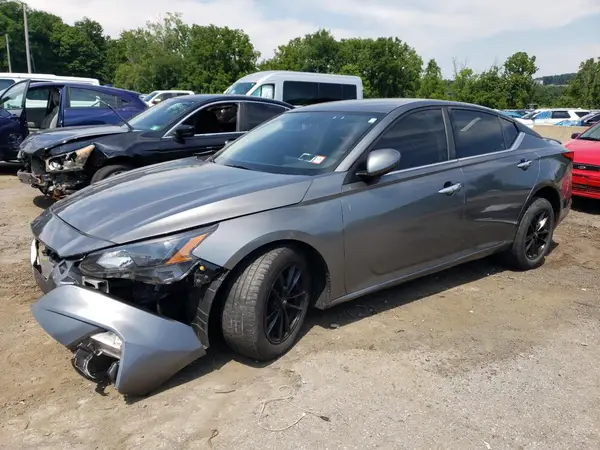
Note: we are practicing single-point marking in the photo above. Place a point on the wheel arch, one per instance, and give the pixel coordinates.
(238, 262)
(550, 193)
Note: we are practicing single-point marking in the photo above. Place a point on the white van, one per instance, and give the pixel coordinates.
(298, 88)
(8, 79)
(155, 97)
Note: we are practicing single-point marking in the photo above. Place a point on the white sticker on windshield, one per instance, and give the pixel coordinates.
(373, 120)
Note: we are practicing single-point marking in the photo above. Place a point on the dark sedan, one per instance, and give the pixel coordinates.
(60, 162)
(318, 206)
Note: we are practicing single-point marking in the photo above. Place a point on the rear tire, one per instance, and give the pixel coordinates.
(534, 236)
(259, 305)
(108, 171)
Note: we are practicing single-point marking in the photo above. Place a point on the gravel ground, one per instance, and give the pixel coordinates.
(476, 357)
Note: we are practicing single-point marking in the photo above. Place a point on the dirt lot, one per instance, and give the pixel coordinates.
(476, 357)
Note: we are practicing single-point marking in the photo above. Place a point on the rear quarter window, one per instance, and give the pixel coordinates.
(510, 132)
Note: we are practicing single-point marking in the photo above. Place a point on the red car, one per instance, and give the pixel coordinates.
(586, 163)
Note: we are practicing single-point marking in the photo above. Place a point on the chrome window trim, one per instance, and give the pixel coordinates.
(218, 102)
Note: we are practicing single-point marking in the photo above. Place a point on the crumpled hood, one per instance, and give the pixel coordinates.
(44, 140)
(174, 196)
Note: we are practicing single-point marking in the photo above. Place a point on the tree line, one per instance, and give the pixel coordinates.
(170, 54)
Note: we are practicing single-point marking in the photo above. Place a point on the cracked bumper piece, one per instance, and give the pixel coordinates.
(111, 340)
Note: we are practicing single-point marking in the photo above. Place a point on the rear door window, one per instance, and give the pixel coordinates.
(510, 132)
(476, 133)
(220, 118)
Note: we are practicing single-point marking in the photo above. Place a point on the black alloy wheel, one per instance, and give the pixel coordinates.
(538, 234)
(287, 300)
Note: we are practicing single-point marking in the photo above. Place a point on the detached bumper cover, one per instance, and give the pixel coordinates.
(153, 348)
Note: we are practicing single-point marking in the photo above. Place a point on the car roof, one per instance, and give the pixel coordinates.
(205, 98)
(384, 105)
(108, 89)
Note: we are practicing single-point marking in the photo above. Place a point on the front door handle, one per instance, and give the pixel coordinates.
(450, 189)
(524, 164)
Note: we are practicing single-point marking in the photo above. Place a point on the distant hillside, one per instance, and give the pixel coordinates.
(556, 80)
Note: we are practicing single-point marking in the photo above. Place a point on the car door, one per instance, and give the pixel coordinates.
(13, 120)
(542, 118)
(82, 107)
(214, 125)
(499, 175)
(559, 116)
(410, 219)
(252, 114)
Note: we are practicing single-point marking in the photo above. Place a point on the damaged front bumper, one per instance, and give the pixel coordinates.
(116, 342)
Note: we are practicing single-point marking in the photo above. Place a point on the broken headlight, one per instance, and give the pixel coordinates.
(69, 161)
(159, 261)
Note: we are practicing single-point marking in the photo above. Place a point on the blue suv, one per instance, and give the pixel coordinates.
(27, 107)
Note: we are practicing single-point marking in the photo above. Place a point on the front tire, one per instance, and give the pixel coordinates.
(267, 304)
(109, 171)
(534, 236)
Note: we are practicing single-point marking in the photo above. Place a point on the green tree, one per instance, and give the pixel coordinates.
(489, 89)
(316, 52)
(584, 90)
(215, 57)
(432, 83)
(519, 70)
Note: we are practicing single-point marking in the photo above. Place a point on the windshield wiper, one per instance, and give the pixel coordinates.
(115, 111)
(236, 166)
(588, 138)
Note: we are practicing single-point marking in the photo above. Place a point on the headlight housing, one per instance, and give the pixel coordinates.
(158, 261)
(70, 161)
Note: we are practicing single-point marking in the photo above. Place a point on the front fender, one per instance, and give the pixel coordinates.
(316, 222)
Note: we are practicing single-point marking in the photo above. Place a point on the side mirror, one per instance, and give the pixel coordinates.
(185, 131)
(156, 100)
(380, 162)
(575, 135)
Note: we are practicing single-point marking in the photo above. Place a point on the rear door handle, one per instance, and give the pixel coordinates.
(524, 164)
(451, 189)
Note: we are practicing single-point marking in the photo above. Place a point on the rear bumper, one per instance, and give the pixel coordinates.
(586, 184)
(151, 348)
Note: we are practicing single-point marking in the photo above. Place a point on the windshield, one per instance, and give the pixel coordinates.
(160, 116)
(6, 82)
(303, 143)
(591, 134)
(240, 88)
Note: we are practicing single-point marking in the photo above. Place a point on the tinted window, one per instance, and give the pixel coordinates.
(510, 132)
(6, 82)
(349, 91)
(560, 115)
(476, 133)
(86, 98)
(300, 92)
(306, 93)
(329, 92)
(215, 119)
(581, 113)
(310, 142)
(257, 113)
(420, 137)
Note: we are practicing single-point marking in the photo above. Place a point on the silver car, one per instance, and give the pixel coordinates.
(318, 206)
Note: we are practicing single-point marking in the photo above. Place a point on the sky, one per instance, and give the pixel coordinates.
(477, 33)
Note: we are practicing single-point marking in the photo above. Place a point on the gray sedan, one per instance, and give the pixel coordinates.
(318, 206)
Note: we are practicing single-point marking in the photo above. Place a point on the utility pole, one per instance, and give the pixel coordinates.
(8, 52)
(26, 38)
